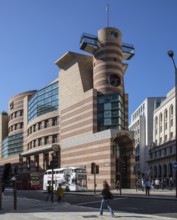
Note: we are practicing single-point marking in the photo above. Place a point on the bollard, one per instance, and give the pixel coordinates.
(15, 198)
(13, 179)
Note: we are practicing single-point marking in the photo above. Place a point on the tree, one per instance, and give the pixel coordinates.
(4, 113)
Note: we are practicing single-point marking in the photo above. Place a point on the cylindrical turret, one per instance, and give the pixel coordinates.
(107, 70)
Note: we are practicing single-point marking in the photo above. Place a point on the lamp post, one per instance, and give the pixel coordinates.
(171, 55)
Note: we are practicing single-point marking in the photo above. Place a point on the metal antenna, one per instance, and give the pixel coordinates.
(107, 14)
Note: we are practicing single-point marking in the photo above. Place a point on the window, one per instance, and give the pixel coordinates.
(21, 112)
(156, 131)
(21, 125)
(39, 141)
(110, 112)
(46, 140)
(54, 138)
(43, 101)
(171, 122)
(171, 135)
(114, 34)
(55, 121)
(34, 143)
(170, 150)
(39, 125)
(166, 114)
(46, 123)
(160, 153)
(165, 151)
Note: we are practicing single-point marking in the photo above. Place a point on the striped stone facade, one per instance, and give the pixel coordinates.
(82, 78)
(75, 137)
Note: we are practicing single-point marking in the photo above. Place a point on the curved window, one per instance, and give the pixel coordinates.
(12, 145)
(43, 101)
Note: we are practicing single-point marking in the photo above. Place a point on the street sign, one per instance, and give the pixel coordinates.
(175, 166)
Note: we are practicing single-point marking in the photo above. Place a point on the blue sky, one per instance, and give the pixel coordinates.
(35, 33)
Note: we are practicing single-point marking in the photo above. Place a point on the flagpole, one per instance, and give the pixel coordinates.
(107, 14)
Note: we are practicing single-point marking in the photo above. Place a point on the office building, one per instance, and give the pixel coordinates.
(82, 116)
(162, 152)
(142, 125)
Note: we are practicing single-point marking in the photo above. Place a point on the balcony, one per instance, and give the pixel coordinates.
(89, 43)
(128, 51)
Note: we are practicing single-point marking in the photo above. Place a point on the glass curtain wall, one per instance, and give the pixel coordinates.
(110, 112)
(43, 101)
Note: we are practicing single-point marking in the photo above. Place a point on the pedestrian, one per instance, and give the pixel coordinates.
(117, 184)
(106, 197)
(171, 183)
(3, 189)
(142, 184)
(147, 185)
(152, 185)
(49, 191)
(157, 184)
(60, 193)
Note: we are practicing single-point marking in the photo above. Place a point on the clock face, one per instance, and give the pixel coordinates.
(114, 80)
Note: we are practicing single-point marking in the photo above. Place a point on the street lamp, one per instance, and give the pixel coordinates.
(171, 55)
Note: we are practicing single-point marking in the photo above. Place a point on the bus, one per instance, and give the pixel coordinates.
(71, 178)
(28, 181)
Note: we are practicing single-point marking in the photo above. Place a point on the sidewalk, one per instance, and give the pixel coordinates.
(154, 194)
(30, 209)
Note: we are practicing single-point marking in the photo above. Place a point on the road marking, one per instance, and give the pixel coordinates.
(85, 203)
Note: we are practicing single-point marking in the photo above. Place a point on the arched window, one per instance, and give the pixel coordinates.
(156, 125)
(171, 115)
(159, 171)
(170, 170)
(164, 170)
(171, 109)
(160, 119)
(166, 114)
(155, 172)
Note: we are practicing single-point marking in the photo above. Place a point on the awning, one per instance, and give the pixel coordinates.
(41, 149)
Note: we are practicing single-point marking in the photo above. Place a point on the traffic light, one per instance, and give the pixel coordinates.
(97, 169)
(93, 168)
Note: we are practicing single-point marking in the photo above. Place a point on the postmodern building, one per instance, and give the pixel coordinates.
(163, 150)
(32, 129)
(93, 108)
(142, 125)
(82, 116)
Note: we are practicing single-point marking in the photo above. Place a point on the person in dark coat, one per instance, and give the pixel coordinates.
(3, 189)
(106, 197)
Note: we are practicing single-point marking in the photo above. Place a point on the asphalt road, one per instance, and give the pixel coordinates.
(159, 207)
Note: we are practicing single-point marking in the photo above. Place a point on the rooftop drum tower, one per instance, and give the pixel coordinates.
(108, 68)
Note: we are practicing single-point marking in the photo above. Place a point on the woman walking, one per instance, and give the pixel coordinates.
(106, 197)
